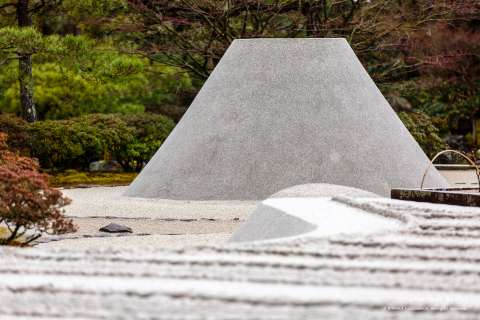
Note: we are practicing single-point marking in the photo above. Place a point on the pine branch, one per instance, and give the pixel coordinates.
(6, 5)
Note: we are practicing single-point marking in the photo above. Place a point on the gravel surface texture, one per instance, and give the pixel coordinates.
(428, 271)
(155, 222)
(111, 202)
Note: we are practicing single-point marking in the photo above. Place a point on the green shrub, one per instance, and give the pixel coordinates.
(114, 133)
(422, 129)
(75, 143)
(150, 132)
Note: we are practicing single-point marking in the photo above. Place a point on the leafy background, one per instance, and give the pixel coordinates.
(133, 60)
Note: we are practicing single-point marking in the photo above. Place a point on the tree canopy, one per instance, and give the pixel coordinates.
(131, 56)
(76, 67)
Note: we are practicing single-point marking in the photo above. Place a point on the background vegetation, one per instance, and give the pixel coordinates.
(107, 79)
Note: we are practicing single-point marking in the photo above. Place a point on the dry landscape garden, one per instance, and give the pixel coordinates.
(239, 159)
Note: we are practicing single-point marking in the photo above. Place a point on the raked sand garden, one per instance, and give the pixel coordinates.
(155, 223)
(331, 252)
(297, 184)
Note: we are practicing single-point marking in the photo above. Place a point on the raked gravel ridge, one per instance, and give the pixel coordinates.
(428, 270)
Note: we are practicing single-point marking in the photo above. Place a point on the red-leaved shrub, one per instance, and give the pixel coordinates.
(28, 206)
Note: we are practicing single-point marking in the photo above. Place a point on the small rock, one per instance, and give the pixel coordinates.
(115, 228)
(399, 103)
(456, 141)
(104, 166)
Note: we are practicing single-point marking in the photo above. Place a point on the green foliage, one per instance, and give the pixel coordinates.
(450, 106)
(16, 41)
(75, 74)
(166, 85)
(423, 130)
(62, 93)
(76, 142)
(94, 7)
(86, 55)
(150, 132)
(93, 78)
(23, 40)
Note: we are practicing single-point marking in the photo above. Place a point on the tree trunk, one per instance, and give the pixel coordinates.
(25, 67)
(26, 88)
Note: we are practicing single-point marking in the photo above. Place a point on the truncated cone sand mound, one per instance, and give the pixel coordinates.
(281, 112)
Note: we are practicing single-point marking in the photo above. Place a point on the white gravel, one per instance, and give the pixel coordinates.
(110, 202)
(136, 242)
(157, 223)
(427, 271)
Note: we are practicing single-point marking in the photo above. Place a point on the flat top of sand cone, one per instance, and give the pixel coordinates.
(281, 112)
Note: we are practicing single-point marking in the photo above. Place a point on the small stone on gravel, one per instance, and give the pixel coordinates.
(115, 228)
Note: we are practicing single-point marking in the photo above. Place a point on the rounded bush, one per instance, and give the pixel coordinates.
(75, 143)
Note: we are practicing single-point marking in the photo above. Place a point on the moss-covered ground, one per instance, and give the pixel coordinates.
(72, 178)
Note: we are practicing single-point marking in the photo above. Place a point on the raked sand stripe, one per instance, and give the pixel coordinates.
(429, 271)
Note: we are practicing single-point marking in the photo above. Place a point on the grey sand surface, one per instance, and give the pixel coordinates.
(282, 112)
(155, 222)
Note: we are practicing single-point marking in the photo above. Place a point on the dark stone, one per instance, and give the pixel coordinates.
(115, 228)
(399, 103)
(456, 141)
(105, 166)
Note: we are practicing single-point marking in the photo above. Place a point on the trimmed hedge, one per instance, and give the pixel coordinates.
(75, 143)
(149, 131)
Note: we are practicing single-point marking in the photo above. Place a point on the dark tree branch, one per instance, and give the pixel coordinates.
(4, 61)
(6, 5)
(39, 6)
(13, 234)
(45, 4)
(32, 238)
